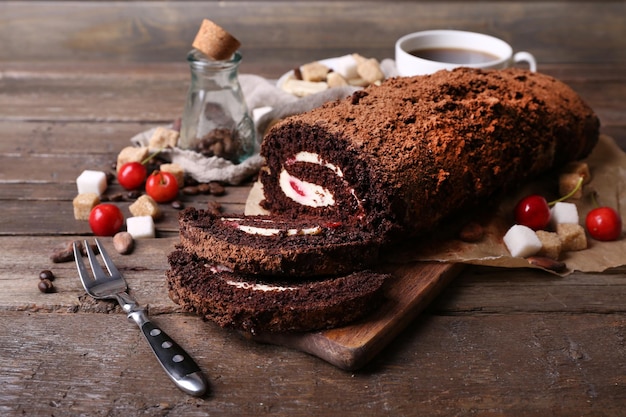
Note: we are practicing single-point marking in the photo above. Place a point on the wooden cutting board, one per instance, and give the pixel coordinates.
(351, 347)
(413, 286)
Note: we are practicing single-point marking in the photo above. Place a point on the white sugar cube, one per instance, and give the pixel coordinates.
(91, 182)
(564, 213)
(522, 241)
(140, 227)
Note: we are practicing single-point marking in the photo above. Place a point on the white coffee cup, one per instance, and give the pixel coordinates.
(496, 53)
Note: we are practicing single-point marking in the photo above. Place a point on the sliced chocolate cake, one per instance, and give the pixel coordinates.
(400, 157)
(265, 304)
(272, 245)
(343, 180)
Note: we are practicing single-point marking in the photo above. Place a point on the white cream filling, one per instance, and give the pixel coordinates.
(258, 287)
(216, 269)
(254, 230)
(314, 158)
(246, 285)
(304, 192)
(272, 231)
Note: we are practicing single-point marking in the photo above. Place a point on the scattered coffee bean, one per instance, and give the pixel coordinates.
(123, 243)
(178, 205)
(216, 188)
(133, 194)
(116, 197)
(204, 188)
(190, 190)
(104, 198)
(111, 177)
(66, 254)
(45, 286)
(46, 274)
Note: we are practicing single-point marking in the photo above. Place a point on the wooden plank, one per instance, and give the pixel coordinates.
(87, 364)
(289, 32)
(142, 102)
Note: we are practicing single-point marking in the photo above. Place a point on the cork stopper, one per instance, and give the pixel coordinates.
(215, 42)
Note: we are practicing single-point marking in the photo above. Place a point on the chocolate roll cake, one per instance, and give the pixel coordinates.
(343, 180)
(272, 245)
(264, 304)
(398, 158)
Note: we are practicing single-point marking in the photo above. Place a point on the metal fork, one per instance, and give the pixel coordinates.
(178, 365)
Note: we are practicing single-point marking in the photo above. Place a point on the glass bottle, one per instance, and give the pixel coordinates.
(216, 120)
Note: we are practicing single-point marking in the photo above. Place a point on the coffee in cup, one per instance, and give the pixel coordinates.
(429, 51)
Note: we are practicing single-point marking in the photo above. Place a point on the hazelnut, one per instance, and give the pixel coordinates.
(123, 243)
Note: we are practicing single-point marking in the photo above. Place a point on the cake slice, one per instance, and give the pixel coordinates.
(266, 304)
(272, 245)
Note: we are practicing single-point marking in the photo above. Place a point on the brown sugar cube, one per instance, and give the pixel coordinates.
(314, 71)
(334, 79)
(163, 137)
(551, 244)
(83, 203)
(370, 71)
(214, 41)
(145, 206)
(131, 154)
(580, 168)
(176, 170)
(572, 236)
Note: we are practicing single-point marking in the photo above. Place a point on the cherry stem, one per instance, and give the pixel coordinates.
(568, 195)
(152, 155)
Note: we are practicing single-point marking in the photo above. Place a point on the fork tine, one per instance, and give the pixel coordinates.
(82, 269)
(98, 272)
(108, 261)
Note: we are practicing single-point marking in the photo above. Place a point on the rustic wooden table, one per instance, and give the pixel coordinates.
(77, 80)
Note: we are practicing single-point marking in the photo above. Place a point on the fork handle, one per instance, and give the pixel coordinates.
(177, 363)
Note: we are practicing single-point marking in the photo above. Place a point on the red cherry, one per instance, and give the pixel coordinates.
(106, 219)
(533, 211)
(132, 175)
(604, 223)
(162, 186)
